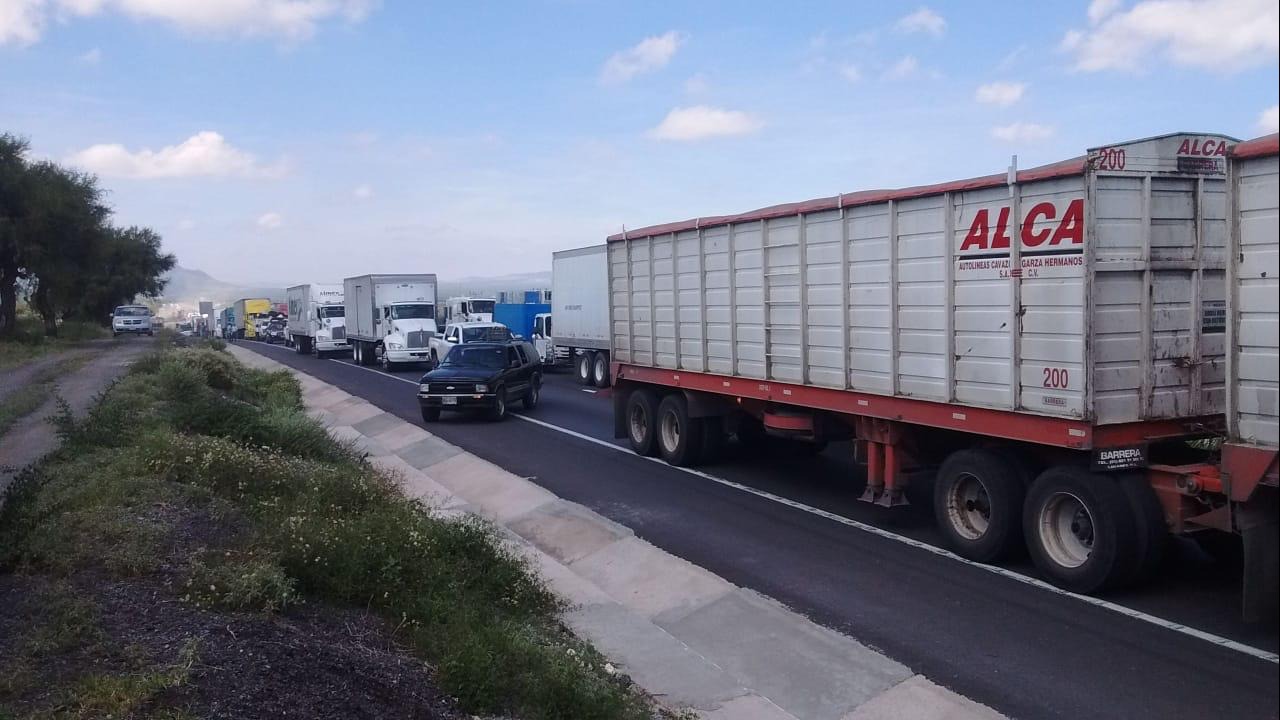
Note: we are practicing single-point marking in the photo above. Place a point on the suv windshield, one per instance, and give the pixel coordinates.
(413, 312)
(482, 306)
(132, 312)
(489, 358)
(493, 333)
(332, 311)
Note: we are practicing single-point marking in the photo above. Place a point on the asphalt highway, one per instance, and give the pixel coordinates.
(790, 527)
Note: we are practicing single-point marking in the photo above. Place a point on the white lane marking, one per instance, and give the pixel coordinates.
(588, 390)
(1208, 637)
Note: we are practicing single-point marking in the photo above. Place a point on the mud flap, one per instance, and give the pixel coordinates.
(621, 392)
(1260, 530)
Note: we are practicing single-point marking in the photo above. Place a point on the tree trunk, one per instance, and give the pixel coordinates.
(8, 285)
(40, 298)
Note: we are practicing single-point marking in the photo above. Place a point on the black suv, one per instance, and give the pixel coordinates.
(482, 376)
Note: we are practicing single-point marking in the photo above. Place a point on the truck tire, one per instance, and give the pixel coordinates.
(977, 502)
(582, 366)
(679, 436)
(713, 440)
(1080, 530)
(641, 421)
(600, 369)
(357, 352)
(1153, 531)
(430, 414)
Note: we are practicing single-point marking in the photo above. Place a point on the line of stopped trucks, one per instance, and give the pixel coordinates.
(1080, 357)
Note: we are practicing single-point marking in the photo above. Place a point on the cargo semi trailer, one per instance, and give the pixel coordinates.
(390, 318)
(580, 314)
(1037, 344)
(246, 313)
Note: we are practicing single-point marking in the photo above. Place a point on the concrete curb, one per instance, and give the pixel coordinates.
(686, 635)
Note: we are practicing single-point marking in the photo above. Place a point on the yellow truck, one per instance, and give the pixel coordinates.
(244, 314)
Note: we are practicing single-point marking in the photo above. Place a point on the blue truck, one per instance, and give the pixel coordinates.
(518, 317)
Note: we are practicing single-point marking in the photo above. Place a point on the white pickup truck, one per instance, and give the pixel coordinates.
(466, 332)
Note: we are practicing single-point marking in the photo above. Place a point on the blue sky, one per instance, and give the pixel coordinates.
(305, 140)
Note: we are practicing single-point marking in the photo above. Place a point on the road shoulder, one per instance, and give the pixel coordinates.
(686, 635)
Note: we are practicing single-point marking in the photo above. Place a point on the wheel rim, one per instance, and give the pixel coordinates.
(502, 405)
(969, 507)
(669, 432)
(638, 421)
(599, 370)
(1066, 530)
(533, 395)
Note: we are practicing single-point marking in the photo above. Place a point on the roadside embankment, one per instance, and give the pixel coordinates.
(200, 547)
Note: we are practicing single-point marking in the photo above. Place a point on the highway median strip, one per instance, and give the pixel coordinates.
(206, 479)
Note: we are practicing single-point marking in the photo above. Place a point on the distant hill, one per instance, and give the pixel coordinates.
(187, 285)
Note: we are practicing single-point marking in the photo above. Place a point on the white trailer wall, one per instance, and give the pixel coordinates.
(1255, 316)
(1094, 295)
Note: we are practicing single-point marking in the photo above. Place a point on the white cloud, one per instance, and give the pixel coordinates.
(651, 53)
(270, 221)
(1003, 94)
(1099, 9)
(363, 192)
(697, 84)
(1021, 132)
(701, 122)
(923, 20)
(92, 57)
(1222, 35)
(22, 21)
(204, 154)
(851, 72)
(1269, 119)
(905, 67)
(187, 224)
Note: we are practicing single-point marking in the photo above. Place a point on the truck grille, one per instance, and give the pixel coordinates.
(417, 339)
(340, 333)
(451, 388)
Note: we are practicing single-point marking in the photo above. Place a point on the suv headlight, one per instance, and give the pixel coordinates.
(394, 346)
(482, 388)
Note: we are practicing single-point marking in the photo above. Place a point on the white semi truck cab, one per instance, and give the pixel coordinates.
(407, 329)
(317, 319)
(469, 309)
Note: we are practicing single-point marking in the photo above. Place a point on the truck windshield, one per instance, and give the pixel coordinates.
(489, 358)
(131, 312)
(413, 312)
(482, 306)
(493, 333)
(332, 311)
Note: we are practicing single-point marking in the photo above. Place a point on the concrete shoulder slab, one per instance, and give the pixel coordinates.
(352, 411)
(805, 669)
(492, 491)
(650, 581)
(658, 662)
(401, 436)
(918, 699)
(567, 531)
(427, 451)
(379, 423)
(748, 707)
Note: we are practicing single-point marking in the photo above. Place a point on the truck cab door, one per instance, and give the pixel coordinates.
(542, 338)
(386, 320)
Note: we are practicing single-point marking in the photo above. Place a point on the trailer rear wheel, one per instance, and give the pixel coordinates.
(642, 413)
(679, 436)
(600, 370)
(582, 366)
(977, 501)
(1080, 529)
(1152, 530)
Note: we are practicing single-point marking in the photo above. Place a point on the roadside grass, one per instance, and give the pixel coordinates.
(192, 431)
(29, 342)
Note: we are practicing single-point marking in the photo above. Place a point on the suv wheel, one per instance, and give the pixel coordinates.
(531, 397)
(499, 409)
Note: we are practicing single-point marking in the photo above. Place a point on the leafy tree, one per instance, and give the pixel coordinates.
(57, 244)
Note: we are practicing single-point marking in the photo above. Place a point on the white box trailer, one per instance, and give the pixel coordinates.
(317, 322)
(1250, 464)
(390, 318)
(1039, 341)
(580, 311)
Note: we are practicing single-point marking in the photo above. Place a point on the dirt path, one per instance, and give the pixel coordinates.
(31, 437)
